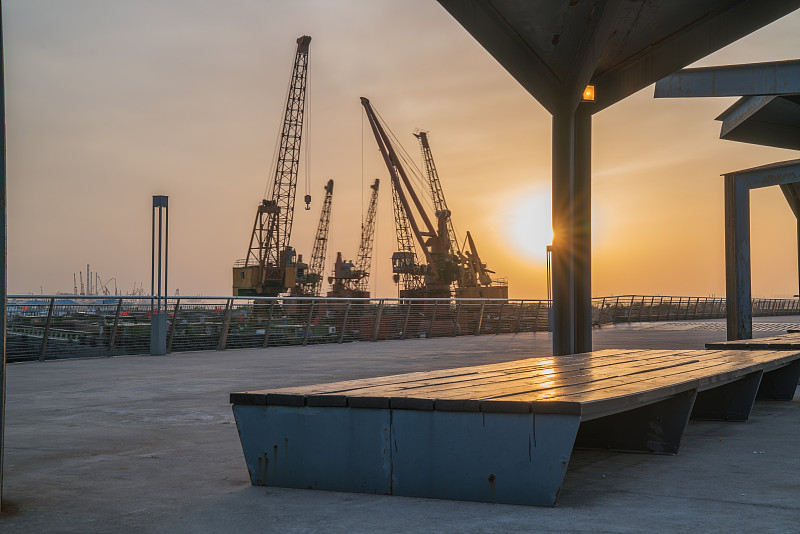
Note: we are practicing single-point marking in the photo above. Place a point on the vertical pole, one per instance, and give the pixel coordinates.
(113, 337)
(480, 319)
(519, 318)
(499, 318)
(377, 324)
(46, 333)
(226, 324)
(4, 282)
(308, 322)
(405, 321)
(563, 193)
(172, 324)
(536, 315)
(583, 230)
(572, 314)
(737, 259)
(268, 326)
(344, 322)
(433, 319)
(456, 328)
(158, 317)
(600, 315)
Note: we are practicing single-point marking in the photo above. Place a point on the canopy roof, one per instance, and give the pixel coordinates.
(556, 48)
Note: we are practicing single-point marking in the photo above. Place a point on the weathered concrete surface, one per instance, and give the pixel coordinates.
(148, 444)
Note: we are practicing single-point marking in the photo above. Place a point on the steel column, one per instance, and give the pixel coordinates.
(572, 314)
(737, 259)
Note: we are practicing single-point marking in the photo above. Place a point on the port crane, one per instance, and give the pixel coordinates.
(414, 227)
(271, 265)
(316, 269)
(474, 279)
(351, 280)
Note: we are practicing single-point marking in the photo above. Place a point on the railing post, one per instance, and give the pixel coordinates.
(268, 326)
(113, 337)
(344, 322)
(405, 321)
(377, 324)
(519, 318)
(172, 324)
(480, 318)
(696, 307)
(308, 322)
(499, 318)
(46, 333)
(433, 318)
(536, 316)
(600, 315)
(223, 332)
(456, 328)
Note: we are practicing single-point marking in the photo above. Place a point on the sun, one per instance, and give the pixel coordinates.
(529, 223)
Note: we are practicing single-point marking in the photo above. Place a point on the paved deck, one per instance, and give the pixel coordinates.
(148, 444)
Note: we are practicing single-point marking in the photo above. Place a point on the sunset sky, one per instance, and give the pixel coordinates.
(110, 102)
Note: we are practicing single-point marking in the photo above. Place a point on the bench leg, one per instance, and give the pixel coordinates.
(476, 456)
(656, 427)
(730, 402)
(780, 384)
(341, 449)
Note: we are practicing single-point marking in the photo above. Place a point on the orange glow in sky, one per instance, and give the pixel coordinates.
(109, 103)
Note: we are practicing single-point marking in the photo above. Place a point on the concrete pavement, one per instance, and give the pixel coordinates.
(148, 444)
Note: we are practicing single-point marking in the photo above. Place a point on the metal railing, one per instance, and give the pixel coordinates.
(52, 327)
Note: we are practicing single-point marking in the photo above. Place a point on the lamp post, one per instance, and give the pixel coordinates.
(158, 276)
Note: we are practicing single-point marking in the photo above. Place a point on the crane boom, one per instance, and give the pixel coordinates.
(433, 279)
(316, 269)
(270, 266)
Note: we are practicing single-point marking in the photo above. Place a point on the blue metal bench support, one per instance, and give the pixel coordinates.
(512, 458)
(489, 457)
(730, 402)
(339, 449)
(781, 383)
(656, 427)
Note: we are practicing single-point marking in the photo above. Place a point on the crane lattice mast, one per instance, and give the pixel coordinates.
(437, 193)
(269, 267)
(364, 261)
(316, 269)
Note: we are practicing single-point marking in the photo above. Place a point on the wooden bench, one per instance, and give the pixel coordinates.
(790, 341)
(496, 433)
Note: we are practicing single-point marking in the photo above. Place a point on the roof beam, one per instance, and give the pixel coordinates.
(755, 79)
(718, 28)
(498, 36)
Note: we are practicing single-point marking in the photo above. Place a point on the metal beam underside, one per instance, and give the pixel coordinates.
(752, 79)
(763, 120)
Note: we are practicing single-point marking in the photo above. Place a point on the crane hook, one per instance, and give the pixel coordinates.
(308, 202)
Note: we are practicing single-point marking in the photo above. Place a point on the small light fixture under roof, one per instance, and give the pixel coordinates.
(588, 94)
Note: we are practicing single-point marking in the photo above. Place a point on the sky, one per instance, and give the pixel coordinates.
(111, 102)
